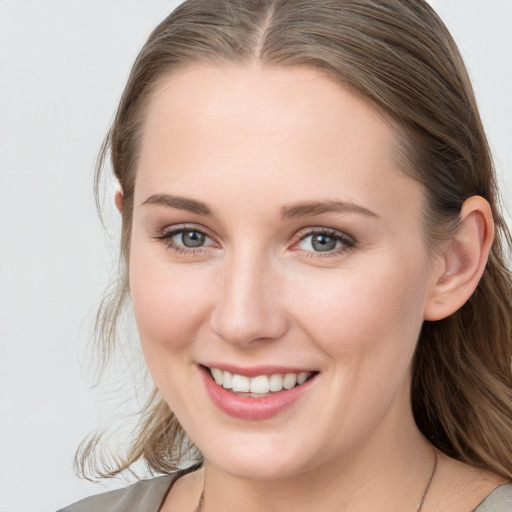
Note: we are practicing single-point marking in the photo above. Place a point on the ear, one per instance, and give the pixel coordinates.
(119, 197)
(462, 260)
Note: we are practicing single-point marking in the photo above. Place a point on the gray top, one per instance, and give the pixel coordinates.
(143, 496)
(149, 496)
(500, 500)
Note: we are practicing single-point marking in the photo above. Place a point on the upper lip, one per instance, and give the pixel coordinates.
(254, 371)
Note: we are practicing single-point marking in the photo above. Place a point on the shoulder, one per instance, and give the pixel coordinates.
(146, 495)
(499, 500)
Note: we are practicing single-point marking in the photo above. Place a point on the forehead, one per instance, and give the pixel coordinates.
(295, 128)
(261, 99)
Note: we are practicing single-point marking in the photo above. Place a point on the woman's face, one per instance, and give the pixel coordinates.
(274, 235)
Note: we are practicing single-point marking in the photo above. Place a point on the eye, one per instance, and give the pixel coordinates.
(325, 241)
(185, 239)
(319, 242)
(190, 238)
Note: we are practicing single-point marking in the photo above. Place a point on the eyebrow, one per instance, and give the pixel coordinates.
(303, 209)
(181, 203)
(318, 207)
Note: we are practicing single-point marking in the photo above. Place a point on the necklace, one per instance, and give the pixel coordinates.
(199, 507)
(419, 506)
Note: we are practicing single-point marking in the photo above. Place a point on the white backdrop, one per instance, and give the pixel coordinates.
(63, 64)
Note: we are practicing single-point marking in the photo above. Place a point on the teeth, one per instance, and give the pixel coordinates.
(276, 382)
(260, 385)
(227, 380)
(241, 383)
(302, 377)
(289, 380)
(217, 375)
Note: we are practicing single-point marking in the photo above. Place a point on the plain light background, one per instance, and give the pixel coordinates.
(63, 65)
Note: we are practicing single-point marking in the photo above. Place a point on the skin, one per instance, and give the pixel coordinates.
(249, 142)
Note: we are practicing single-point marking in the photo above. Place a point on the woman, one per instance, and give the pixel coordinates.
(316, 260)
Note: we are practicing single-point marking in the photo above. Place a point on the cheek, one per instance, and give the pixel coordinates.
(169, 303)
(367, 324)
(359, 315)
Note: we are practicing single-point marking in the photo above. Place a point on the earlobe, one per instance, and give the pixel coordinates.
(463, 260)
(119, 197)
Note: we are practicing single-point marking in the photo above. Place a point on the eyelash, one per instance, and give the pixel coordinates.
(166, 237)
(346, 241)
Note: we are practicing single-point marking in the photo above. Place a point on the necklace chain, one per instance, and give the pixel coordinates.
(199, 507)
(419, 506)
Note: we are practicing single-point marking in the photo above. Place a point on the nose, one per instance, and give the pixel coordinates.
(249, 307)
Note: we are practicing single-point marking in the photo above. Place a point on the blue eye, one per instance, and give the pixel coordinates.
(322, 241)
(185, 239)
(190, 238)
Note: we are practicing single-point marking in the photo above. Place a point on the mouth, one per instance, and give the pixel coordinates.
(257, 393)
(258, 386)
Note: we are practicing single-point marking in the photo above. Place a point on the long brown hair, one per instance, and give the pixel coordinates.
(398, 55)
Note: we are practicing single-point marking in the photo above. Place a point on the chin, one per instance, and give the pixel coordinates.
(259, 461)
(259, 469)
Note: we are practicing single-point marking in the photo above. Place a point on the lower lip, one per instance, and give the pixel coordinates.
(247, 408)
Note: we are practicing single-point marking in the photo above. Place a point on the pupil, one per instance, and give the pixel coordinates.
(323, 243)
(192, 239)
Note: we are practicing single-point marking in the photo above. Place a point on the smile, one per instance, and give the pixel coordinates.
(257, 397)
(260, 385)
